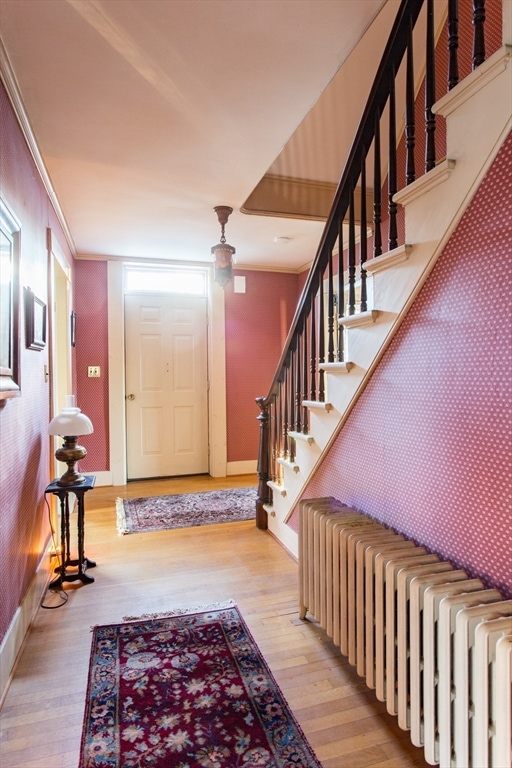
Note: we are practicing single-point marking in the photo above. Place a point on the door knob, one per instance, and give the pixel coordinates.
(130, 397)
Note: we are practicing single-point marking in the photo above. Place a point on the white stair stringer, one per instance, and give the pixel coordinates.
(478, 115)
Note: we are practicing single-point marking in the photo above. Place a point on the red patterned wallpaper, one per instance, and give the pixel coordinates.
(257, 323)
(428, 447)
(24, 443)
(90, 294)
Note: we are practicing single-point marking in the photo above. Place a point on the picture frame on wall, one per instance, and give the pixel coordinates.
(35, 321)
(72, 328)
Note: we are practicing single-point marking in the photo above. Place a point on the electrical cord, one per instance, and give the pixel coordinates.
(60, 567)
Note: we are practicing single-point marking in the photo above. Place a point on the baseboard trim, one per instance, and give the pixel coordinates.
(16, 634)
(102, 478)
(241, 467)
(232, 468)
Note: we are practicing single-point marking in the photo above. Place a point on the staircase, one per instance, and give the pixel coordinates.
(335, 360)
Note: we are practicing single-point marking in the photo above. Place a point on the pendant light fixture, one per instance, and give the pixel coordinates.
(223, 252)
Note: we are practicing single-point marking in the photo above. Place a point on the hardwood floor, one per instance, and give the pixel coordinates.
(41, 720)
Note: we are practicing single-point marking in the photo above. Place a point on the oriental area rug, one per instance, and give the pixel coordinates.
(185, 510)
(186, 691)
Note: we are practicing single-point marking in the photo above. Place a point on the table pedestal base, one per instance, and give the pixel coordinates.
(81, 563)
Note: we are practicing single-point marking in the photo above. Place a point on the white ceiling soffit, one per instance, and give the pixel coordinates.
(148, 113)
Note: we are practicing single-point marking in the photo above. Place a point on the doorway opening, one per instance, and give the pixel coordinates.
(200, 277)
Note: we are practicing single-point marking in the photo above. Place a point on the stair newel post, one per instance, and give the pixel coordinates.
(351, 257)
(377, 192)
(392, 173)
(410, 120)
(478, 34)
(341, 292)
(453, 43)
(264, 492)
(363, 238)
(321, 340)
(430, 91)
(330, 311)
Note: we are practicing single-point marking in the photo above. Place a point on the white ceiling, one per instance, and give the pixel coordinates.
(148, 113)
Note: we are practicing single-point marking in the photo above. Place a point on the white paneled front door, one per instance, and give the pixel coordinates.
(166, 385)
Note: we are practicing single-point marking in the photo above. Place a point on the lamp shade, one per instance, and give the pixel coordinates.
(70, 421)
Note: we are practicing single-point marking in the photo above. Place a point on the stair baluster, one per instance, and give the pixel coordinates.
(410, 117)
(330, 311)
(453, 43)
(363, 239)
(377, 194)
(392, 171)
(351, 257)
(313, 370)
(430, 91)
(321, 342)
(478, 37)
(341, 292)
(299, 396)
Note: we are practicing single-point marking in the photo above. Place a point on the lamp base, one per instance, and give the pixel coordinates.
(70, 477)
(70, 453)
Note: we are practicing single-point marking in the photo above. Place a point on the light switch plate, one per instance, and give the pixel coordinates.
(239, 284)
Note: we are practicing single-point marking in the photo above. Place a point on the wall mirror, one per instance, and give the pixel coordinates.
(9, 304)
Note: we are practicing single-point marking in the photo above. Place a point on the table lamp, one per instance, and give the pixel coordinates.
(69, 424)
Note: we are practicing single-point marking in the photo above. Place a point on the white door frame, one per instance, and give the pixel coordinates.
(216, 343)
(61, 362)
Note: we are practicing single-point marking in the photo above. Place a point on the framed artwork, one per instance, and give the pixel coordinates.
(73, 329)
(35, 321)
(9, 304)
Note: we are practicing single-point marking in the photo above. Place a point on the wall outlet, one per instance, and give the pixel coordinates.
(93, 371)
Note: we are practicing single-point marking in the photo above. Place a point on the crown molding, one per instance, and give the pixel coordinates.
(13, 91)
(188, 264)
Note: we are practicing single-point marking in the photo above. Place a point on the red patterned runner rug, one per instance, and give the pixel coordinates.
(184, 510)
(186, 691)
